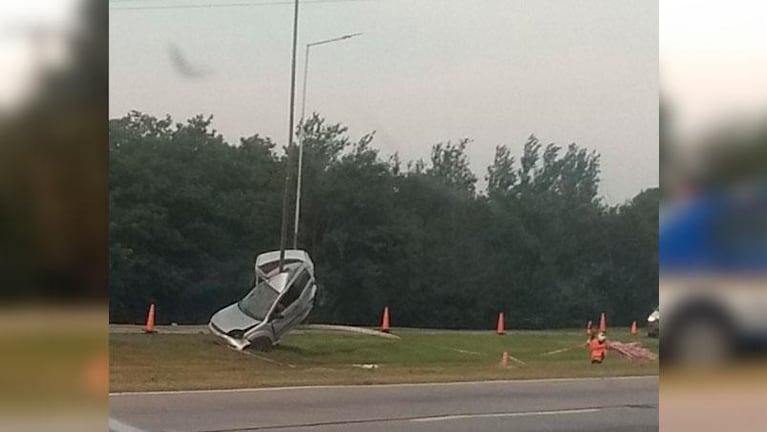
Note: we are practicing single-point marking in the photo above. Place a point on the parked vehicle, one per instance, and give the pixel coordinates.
(653, 323)
(277, 303)
(713, 276)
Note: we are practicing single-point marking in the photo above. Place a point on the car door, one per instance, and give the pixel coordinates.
(292, 306)
(741, 236)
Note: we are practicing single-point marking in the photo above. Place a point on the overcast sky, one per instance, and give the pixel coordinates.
(713, 63)
(424, 71)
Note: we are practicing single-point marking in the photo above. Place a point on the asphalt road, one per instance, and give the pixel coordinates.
(593, 405)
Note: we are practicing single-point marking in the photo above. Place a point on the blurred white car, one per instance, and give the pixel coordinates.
(713, 278)
(278, 302)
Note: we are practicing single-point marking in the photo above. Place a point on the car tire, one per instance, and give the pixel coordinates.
(263, 344)
(699, 338)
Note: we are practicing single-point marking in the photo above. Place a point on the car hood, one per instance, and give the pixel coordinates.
(232, 318)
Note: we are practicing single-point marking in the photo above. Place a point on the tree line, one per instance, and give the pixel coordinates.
(189, 212)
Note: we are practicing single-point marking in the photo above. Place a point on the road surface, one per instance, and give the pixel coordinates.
(593, 405)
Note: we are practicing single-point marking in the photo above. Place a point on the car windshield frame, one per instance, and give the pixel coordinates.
(259, 301)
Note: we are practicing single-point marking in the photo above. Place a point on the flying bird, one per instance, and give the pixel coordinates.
(183, 67)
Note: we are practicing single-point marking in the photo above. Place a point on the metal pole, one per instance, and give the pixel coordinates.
(301, 134)
(301, 149)
(284, 228)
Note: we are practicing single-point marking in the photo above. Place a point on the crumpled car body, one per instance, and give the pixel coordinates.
(277, 303)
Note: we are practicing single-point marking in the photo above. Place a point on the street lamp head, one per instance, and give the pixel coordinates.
(336, 39)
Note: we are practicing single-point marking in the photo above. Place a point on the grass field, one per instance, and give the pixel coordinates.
(140, 362)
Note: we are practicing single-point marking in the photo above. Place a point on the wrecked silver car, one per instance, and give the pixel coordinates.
(277, 303)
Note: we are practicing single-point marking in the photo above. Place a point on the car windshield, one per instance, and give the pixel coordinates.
(258, 301)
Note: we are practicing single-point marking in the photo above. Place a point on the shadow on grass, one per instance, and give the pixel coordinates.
(290, 349)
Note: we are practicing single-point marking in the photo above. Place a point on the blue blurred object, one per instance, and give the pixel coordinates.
(713, 274)
(716, 233)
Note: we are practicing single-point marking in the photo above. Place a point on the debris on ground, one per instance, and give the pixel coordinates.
(631, 351)
(365, 366)
(263, 358)
(557, 351)
(465, 351)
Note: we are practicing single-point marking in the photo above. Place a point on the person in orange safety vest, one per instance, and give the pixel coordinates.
(598, 347)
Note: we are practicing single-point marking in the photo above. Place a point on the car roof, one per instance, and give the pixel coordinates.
(691, 238)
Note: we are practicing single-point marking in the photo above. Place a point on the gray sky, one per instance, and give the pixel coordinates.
(713, 64)
(424, 71)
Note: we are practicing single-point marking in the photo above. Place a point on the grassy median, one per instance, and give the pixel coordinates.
(168, 361)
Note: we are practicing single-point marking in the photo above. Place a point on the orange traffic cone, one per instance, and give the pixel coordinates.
(500, 329)
(505, 359)
(589, 328)
(150, 320)
(602, 323)
(385, 320)
(634, 328)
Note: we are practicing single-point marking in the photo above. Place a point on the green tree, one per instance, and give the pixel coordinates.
(189, 212)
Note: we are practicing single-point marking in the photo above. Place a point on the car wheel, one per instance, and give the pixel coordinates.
(262, 344)
(702, 340)
(653, 333)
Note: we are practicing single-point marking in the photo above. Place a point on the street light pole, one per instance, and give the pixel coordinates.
(284, 228)
(301, 130)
